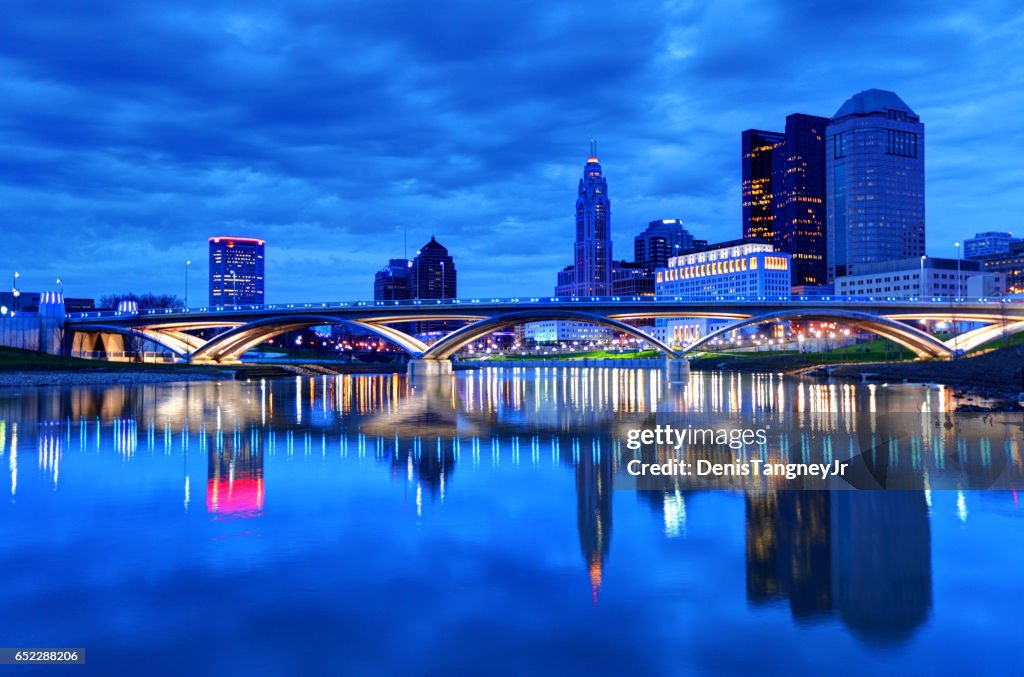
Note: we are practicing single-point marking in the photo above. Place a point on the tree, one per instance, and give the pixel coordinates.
(147, 301)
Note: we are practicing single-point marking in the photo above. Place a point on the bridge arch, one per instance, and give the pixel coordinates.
(917, 341)
(449, 345)
(166, 340)
(233, 343)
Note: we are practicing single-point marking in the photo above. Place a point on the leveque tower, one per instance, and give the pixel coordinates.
(591, 271)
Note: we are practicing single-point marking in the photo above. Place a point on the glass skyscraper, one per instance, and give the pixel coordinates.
(798, 198)
(784, 193)
(758, 149)
(591, 273)
(433, 273)
(236, 271)
(875, 182)
(987, 244)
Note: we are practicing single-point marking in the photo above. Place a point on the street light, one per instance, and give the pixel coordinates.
(60, 282)
(188, 262)
(920, 291)
(14, 289)
(234, 289)
(957, 245)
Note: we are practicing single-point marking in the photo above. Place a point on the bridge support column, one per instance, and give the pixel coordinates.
(419, 368)
(677, 369)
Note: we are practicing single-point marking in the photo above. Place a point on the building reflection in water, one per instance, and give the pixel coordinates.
(864, 556)
(594, 514)
(234, 481)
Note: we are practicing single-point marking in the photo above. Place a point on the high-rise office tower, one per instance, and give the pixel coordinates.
(798, 197)
(756, 170)
(874, 159)
(784, 193)
(432, 275)
(661, 240)
(391, 283)
(592, 261)
(236, 271)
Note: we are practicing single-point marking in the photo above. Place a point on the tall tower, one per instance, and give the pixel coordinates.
(592, 261)
(875, 182)
(756, 171)
(798, 197)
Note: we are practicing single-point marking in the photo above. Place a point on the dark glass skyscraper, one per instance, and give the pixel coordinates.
(592, 260)
(784, 193)
(756, 171)
(433, 273)
(662, 239)
(798, 197)
(874, 182)
(236, 271)
(391, 283)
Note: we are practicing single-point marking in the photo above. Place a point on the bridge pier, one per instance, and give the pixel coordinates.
(418, 368)
(677, 369)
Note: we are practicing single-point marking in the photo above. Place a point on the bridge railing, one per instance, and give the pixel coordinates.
(547, 300)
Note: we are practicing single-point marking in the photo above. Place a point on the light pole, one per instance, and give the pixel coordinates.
(957, 269)
(14, 290)
(442, 280)
(921, 287)
(234, 289)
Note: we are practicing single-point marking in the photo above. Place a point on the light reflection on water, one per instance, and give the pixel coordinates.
(484, 468)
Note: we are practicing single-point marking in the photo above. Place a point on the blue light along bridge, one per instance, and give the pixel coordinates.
(103, 333)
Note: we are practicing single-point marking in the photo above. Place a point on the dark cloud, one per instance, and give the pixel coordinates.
(132, 131)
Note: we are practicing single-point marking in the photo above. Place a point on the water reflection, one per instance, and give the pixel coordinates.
(862, 558)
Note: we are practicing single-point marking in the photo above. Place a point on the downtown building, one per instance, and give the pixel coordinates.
(989, 244)
(591, 272)
(874, 183)
(236, 271)
(729, 270)
(922, 276)
(1010, 265)
(783, 193)
(391, 283)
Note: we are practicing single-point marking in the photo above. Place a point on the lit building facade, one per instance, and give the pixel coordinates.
(988, 244)
(914, 277)
(758, 148)
(734, 269)
(391, 283)
(561, 331)
(236, 271)
(591, 271)
(874, 182)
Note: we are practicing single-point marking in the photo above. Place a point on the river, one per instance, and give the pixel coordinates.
(363, 524)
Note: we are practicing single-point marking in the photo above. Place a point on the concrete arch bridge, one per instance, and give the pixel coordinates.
(242, 328)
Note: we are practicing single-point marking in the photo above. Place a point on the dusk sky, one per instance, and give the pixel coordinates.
(132, 131)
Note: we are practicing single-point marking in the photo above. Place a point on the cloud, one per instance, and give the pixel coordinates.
(131, 132)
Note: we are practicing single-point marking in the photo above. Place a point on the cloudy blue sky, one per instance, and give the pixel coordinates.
(131, 131)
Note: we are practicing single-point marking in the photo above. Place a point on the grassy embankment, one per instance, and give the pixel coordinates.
(15, 360)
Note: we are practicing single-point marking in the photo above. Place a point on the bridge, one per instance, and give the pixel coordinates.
(241, 328)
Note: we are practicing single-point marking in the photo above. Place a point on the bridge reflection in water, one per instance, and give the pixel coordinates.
(861, 557)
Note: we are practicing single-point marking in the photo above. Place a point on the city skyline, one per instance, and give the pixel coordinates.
(115, 175)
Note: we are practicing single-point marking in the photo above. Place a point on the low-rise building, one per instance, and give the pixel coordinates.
(917, 276)
(735, 269)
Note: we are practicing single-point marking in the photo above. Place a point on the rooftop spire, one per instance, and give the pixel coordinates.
(593, 151)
